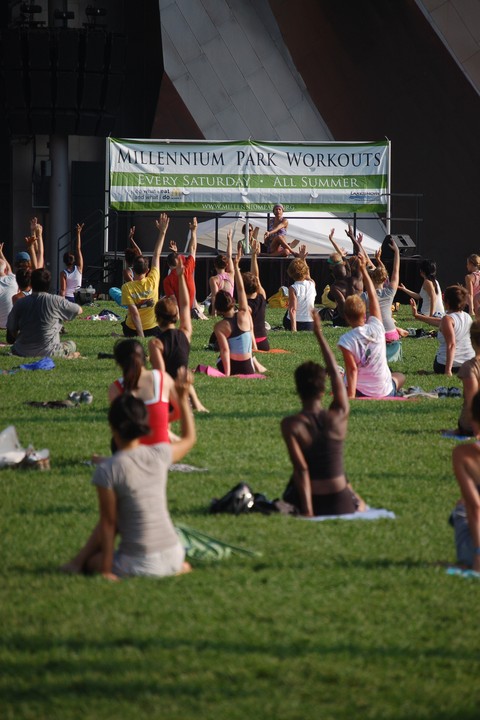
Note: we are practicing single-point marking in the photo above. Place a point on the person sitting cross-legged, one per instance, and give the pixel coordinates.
(34, 322)
(131, 487)
(364, 348)
(314, 438)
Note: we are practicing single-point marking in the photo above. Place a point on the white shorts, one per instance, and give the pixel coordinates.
(159, 564)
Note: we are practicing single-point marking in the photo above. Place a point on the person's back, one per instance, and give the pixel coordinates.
(176, 349)
(36, 320)
(139, 479)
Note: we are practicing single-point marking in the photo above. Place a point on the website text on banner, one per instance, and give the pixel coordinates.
(248, 176)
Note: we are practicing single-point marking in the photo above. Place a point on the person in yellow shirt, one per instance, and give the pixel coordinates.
(140, 294)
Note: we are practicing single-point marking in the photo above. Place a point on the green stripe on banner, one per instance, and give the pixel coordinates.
(169, 181)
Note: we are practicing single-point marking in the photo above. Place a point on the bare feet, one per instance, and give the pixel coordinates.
(186, 568)
(201, 408)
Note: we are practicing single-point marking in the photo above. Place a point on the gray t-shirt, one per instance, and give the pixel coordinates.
(139, 480)
(38, 319)
(385, 299)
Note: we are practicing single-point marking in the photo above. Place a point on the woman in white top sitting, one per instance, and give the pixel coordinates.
(71, 277)
(455, 346)
(430, 293)
(301, 296)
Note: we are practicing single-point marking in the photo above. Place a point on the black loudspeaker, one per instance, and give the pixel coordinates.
(12, 50)
(66, 95)
(41, 89)
(92, 91)
(40, 50)
(68, 51)
(15, 89)
(61, 80)
(95, 43)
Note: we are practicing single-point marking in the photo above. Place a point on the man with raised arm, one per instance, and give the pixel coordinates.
(170, 283)
(140, 294)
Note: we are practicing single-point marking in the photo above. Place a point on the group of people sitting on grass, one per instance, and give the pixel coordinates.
(131, 484)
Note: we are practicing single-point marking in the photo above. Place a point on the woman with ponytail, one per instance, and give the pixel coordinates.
(154, 387)
(430, 293)
(131, 487)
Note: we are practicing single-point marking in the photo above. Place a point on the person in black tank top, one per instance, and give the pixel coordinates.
(170, 348)
(257, 299)
(314, 439)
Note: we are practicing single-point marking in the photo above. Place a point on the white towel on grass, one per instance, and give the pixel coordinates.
(369, 514)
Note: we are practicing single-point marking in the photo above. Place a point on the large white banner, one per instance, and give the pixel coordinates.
(248, 176)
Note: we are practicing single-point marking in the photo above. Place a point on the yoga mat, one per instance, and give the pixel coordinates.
(369, 514)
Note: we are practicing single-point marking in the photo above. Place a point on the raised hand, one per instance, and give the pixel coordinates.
(193, 225)
(173, 246)
(162, 222)
(131, 233)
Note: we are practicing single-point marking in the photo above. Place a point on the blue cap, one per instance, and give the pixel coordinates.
(22, 256)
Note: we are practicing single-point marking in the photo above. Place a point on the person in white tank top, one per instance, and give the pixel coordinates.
(430, 293)
(71, 277)
(454, 344)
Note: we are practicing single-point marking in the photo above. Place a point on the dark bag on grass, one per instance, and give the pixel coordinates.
(241, 499)
(237, 500)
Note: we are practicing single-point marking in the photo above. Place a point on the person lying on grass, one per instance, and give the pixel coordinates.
(469, 374)
(466, 516)
(172, 344)
(364, 348)
(314, 438)
(131, 487)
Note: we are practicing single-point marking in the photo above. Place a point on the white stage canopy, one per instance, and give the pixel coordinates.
(313, 232)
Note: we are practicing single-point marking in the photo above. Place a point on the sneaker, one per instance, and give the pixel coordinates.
(414, 390)
(441, 391)
(74, 397)
(86, 397)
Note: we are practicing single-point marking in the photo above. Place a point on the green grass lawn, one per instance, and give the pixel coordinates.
(332, 620)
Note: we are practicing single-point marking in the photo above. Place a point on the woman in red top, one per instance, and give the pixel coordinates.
(154, 387)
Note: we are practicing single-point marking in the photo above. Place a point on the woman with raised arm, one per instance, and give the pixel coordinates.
(131, 487)
(430, 293)
(363, 347)
(301, 296)
(454, 344)
(71, 277)
(224, 278)
(257, 298)
(314, 438)
(155, 387)
(234, 331)
(170, 349)
(386, 290)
